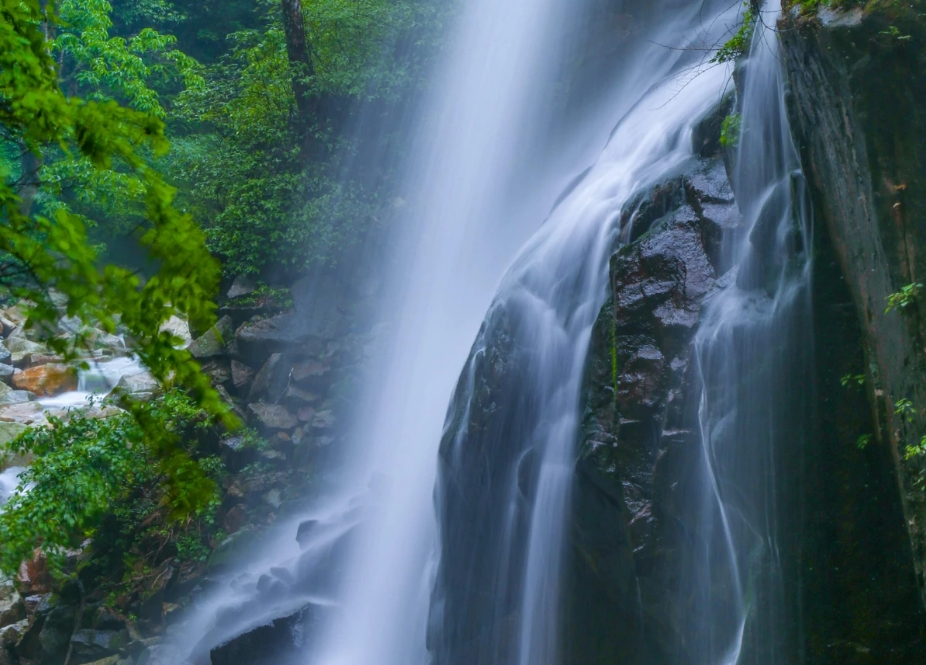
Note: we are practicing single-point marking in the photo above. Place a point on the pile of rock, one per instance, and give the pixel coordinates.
(29, 370)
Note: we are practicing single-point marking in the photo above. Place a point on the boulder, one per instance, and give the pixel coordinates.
(316, 320)
(12, 634)
(214, 340)
(6, 373)
(48, 380)
(241, 375)
(324, 420)
(273, 417)
(242, 286)
(34, 577)
(272, 643)
(311, 374)
(26, 413)
(141, 385)
(8, 397)
(20, 347)
(272, 379)
(105, 341)
(12, 610)
(218, 370)
(179, 328)
(6, 355)
(93, 645)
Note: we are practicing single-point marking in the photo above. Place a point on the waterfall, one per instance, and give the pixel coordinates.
(508, 453)
(388, 570)
(754, 353)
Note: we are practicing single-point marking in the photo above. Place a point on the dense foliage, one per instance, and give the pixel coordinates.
(86, 468)
(271, 187)
(146, 147)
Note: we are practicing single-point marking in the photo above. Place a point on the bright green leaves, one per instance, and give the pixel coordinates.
(51, 249)
(85, 468)
(730, 130)
(903, 298)
(738, 45)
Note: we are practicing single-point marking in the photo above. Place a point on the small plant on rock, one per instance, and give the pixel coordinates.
(903, 298)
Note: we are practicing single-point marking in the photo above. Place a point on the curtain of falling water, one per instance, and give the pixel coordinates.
(754, 354)
(508, 452)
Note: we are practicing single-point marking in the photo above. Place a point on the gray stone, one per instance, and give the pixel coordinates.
(273, 416)
(12, 610)
(9, 396)
(20, 347)
(324, 420)
(214, 340)
(179, 329)
(141, 385)
(6, 355)
(6, 372)
(242, 286)
(316, 320)
(272, 379)
(91, 645)
(10, 635)
(241, 374)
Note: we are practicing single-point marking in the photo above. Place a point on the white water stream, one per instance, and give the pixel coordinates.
(370, 563)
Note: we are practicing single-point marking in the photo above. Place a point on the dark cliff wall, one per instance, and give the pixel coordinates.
(858, 91)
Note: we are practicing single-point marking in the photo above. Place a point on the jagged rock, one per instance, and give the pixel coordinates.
(179, 329)
(273, 499)
(271, 643)
(20, 347)
(12, 634)
(218, 370)
(311, 374)
(104, 341)
(33, 577)
(46, 639)
(213, 342)
(92, 645)
(234, 519)
(271, 380)
(273, 416)
(298, 397)
(315, 321)
(50, 380)
(141, 385)
(242, 286)
(33, 603)
(12, 610)
(241, 375)
(6, 355)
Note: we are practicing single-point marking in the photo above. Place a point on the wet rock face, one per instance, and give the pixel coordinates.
(857, 95)
(638, 441)
(275, 643)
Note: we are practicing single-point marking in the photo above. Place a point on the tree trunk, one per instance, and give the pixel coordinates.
(300, 61)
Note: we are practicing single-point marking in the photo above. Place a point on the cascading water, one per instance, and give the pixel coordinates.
(754, 353)
(361, 582)
(362, 570)
(508, 452)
